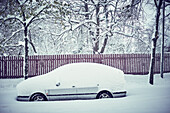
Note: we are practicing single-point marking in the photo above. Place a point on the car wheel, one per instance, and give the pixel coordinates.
(104, 95)
(38, 97)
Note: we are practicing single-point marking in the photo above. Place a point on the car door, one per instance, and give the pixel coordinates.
(62, 94)
(89, 92)
(86, 88)
(63, 90)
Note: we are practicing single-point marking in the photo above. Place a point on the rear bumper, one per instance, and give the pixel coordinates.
(23, 98)
(119, 94)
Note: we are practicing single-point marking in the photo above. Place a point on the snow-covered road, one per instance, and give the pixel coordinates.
(141, 98)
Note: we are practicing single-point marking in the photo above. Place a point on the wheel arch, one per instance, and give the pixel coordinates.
(102, 91)
(41, 93)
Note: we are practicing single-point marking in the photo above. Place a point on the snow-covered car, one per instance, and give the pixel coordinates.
(74, 81)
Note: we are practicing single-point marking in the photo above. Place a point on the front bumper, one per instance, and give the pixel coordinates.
(22, 98)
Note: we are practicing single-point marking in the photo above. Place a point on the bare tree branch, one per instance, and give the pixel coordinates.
(13, 34)
(30, 41)
(156, 4)
(12, 18)
(33, 17)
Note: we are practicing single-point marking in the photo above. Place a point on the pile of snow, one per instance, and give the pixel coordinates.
(142, 81)
(142, 98)
(9, 83)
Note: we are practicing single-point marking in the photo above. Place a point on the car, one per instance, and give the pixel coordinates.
(74, 81)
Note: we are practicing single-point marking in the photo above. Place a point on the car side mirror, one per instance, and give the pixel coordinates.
(58, 84)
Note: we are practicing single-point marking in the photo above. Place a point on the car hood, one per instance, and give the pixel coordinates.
(35, 84)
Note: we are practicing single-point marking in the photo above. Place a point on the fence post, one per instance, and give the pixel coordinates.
(5, 67)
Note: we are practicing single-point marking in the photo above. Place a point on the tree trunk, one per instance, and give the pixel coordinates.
(107, 21)
(26, 58)
(26, 47)
(87, 18)
(86, 10)
(96, 40)
(154, 40)
(151, 80)
(104, 44)
(162, 51)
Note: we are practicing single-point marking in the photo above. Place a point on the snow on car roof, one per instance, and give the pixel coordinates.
(84, 68)
(89, 73)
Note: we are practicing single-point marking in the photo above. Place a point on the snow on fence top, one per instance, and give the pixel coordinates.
(12, 66)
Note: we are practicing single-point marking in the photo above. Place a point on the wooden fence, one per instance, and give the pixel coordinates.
(12, 66)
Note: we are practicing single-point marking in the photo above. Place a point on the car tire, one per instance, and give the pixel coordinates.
(104, 94)
(38, 97)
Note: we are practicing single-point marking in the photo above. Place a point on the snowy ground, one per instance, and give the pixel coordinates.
(141, 98)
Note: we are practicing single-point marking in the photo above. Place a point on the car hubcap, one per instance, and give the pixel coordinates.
(38, 98)
(104, 95)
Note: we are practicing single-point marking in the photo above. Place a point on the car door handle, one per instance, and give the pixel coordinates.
(73, 86)
(58, 84)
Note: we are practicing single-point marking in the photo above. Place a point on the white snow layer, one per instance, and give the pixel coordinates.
(76, 74)
(141, 98)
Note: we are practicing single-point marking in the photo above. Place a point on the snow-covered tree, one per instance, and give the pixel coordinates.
(155, 37)
(76, 28)
(101, 20)
(25, 13)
